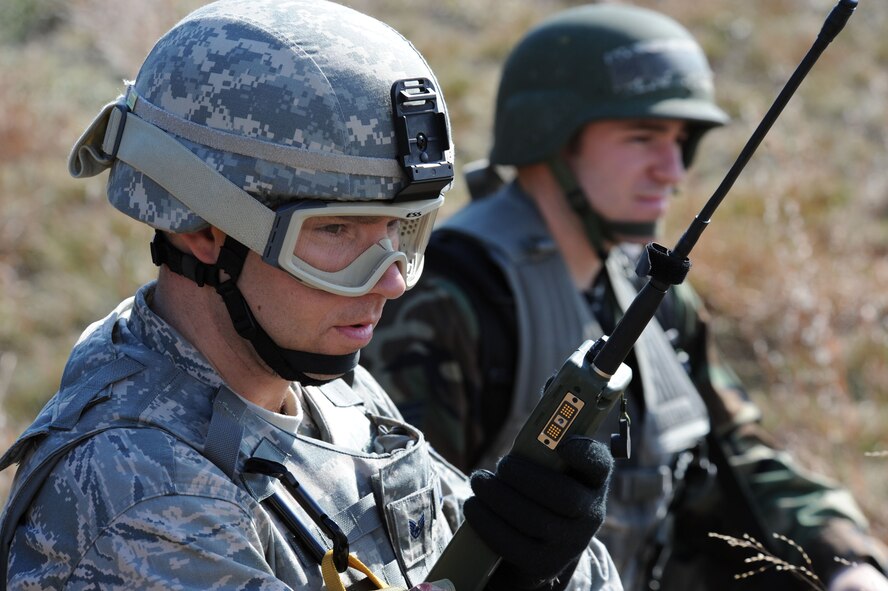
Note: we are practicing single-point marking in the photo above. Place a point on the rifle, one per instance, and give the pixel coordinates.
(584, 391)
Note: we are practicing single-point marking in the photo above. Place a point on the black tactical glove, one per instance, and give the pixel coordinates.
(540, 521)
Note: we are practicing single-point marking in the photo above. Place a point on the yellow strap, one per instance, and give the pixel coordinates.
(334, 583)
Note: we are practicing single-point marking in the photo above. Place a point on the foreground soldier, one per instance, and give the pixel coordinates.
(600, 109)
(215, 431)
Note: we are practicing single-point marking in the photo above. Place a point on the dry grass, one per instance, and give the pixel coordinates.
(761, 560)
(794, 265)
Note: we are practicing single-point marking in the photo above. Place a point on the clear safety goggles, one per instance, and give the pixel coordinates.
(345, 247)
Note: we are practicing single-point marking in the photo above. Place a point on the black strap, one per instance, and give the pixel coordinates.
(482, 179)
(287, 363)
(596, 228)
(164, 253)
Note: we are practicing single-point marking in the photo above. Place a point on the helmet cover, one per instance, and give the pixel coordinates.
(308, 74)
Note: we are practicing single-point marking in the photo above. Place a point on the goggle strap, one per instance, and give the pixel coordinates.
(285, 362)
(189, 179)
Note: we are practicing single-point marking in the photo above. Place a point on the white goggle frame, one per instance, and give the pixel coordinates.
(417, 219)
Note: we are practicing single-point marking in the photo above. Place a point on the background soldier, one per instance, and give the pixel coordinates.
(600, 109)
(266, 142)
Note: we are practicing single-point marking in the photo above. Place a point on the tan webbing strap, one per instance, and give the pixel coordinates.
(290, 156)
(190, 180)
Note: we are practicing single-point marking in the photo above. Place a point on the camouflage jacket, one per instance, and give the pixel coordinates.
(133, 477)
(447, 352)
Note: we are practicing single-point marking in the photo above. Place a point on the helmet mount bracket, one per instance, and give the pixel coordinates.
(422, 138)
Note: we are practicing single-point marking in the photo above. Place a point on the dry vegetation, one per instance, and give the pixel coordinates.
(760, 559)
(794, 265)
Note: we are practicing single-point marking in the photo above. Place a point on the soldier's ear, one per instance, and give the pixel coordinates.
(204, 244)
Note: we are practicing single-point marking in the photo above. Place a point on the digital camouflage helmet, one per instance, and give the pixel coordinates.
(257, 116)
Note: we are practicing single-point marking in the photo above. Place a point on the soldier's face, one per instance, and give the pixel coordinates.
(300, 317)
(628, 169)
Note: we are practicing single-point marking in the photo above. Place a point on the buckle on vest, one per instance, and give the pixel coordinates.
(307, 502)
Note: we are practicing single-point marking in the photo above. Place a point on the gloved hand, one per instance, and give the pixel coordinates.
(540, 521)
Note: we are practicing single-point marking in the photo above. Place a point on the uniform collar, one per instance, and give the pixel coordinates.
(155, 333)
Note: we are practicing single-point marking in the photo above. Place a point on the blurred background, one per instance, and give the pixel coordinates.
(793, 267)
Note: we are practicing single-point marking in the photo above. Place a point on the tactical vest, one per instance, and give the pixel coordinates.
(388, 501)
(553, 319)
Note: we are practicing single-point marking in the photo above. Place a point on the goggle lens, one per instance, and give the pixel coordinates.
(345, 248)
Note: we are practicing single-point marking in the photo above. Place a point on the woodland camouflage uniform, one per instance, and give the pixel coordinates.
(430, 351)
(496, 305)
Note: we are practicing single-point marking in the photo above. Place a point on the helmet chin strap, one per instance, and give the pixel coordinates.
(288, 363)
(598, 230)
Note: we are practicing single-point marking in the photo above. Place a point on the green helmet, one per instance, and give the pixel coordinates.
(593, 62)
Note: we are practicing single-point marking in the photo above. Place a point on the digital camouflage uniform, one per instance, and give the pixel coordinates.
(139, 505)
(450, 350)
(156, 497)
(135, 474)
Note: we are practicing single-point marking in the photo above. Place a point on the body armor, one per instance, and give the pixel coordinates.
(553, 318)
(373, 474)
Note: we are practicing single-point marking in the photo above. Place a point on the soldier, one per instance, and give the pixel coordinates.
(600, 109)
(215, 431)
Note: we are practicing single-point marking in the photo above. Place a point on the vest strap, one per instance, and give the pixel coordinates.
(359, 519)
(225, 431)
(676, 415)
(65, 417)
